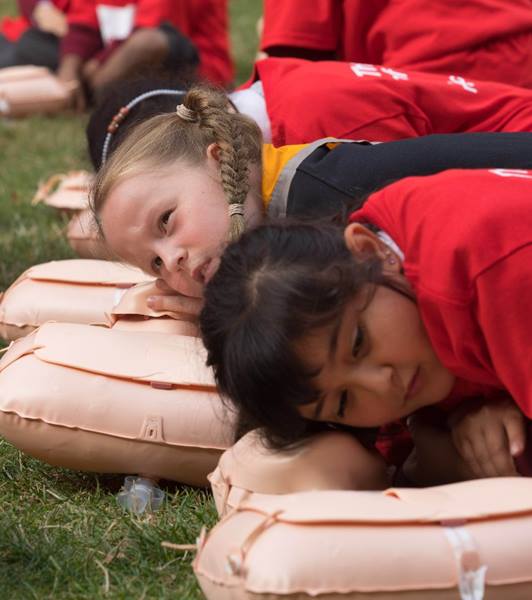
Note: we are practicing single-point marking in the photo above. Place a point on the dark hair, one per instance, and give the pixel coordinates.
(273, 286)
(119, 95)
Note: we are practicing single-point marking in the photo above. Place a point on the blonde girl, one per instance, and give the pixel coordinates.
(181, 185)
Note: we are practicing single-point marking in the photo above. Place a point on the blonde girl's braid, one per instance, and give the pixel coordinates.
(239, 142)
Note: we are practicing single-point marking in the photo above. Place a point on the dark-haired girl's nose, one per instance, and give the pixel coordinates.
(377, 379)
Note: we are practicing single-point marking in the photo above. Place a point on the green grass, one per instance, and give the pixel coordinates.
(62, 534)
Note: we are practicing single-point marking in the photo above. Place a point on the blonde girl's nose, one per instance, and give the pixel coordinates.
(173, 257)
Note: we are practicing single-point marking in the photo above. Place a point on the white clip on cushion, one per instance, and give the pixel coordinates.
(110, 401)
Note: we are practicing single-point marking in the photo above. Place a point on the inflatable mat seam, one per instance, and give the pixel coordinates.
(111, 433)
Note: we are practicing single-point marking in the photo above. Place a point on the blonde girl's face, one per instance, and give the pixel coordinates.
(172, 222)
(375, 363)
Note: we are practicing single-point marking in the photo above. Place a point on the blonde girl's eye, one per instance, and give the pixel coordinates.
(163, 221)
(156, 264)
(342, 404)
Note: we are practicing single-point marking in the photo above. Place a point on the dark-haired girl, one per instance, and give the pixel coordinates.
(422, 301)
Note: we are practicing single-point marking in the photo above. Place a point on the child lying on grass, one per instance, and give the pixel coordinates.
(175, 186)
(422, 301)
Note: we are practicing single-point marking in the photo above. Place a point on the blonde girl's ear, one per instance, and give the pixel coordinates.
(213, 151)
(213, 161)
(361, 242)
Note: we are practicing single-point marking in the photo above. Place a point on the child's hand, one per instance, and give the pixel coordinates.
(68, 74)
(489, 437)
(49, 18)
(171, 301)
(434, 460)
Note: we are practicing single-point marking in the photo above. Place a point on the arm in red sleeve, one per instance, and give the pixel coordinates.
(81, 41)
(83, 36)
(26, 8)
(504, 313)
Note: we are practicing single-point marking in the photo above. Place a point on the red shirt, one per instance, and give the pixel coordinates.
(208, 28)
(204, 21)
(467, 240)
(483, 39)
(361, 101)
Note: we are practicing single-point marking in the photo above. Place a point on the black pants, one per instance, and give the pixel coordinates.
(7, 52)
(34, 47)
(338, 181)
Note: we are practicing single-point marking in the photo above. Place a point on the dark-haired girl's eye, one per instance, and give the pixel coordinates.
(156, 264)
(358, 342)
(342, 404)
(163, 221)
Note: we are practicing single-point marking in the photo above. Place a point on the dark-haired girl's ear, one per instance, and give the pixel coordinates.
(362, 242)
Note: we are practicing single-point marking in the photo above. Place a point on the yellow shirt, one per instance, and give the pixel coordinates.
(273, 162)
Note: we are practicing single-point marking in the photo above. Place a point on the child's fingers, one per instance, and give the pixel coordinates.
(163, 286)
(176, 303)
(180, 285)
(466, 449)
(497, 460)
(514, 425)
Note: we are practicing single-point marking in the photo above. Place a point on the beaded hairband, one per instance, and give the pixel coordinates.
(123, 112)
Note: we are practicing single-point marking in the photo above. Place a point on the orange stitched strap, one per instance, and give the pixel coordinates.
(235, 560)
(227, 491)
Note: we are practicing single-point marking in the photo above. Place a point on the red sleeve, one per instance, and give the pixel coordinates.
(303, 24)
(83, 12)
(81, 41)
(209, 30)
(83, 36)
(504, 301)
(151, 13)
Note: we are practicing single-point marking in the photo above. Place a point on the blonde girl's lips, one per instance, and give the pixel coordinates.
(211, 269)
(198, 272)
(203, 272)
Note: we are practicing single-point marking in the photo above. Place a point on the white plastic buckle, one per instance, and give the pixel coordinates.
(471, 574)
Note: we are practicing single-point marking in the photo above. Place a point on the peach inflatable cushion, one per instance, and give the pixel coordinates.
(29, 90)
(468, 541)
(68, 192)
(132, 313)
(113, 401)
(84, 238)
(77, 291)
(249, 467)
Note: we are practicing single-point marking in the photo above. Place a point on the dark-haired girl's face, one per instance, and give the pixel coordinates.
(374, 364)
